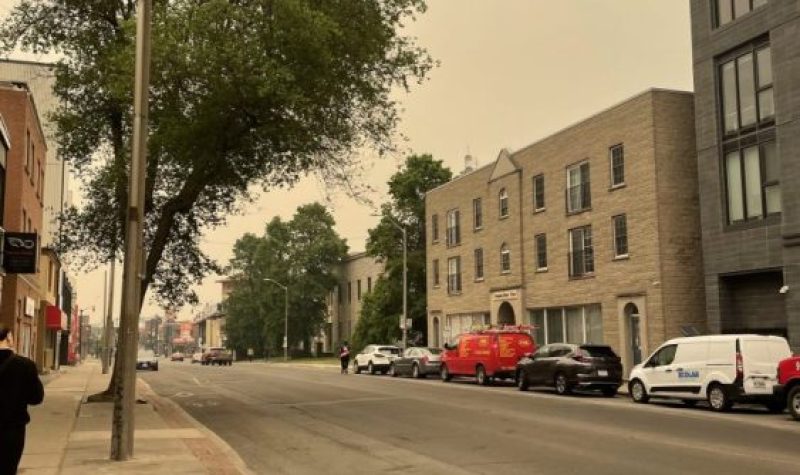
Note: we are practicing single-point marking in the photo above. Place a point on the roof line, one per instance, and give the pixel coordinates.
(25, 61)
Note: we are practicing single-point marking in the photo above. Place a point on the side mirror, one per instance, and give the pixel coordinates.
(448, 346)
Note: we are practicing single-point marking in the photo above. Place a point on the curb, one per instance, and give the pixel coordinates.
(236, 461)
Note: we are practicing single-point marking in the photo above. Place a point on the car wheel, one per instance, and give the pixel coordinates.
(690, 402)
(444, 373)
(392, 371)
(480, 376)
(776, 406)
(415, 371)
(638, 392)
(522, 381)
(718, 398)
(356, 367)
(370, 368)
(609, 392)
(793, 401)
(562, 386)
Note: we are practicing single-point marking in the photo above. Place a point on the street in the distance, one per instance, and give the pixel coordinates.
(302, 419)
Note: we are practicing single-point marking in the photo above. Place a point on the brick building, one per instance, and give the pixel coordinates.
(356, 276)
(5, 144)
(23, 207)
(591, 234)
(747, 104)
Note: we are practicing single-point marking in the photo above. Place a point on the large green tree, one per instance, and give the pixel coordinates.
(379, 319)
(301, 254)
(244, 93)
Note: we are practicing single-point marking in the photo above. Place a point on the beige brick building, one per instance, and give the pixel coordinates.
(356, 276)
(591, 234)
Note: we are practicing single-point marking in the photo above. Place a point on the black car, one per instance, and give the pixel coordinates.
(417, 362)
(566, 367)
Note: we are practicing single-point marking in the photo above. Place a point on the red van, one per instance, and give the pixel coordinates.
(789, 384)
(486, 354)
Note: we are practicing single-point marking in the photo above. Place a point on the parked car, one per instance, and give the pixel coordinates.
(177, 356)
(788, 387)
(566, 367)
(417, 362)
(721, 369)
(486, 355)
(146, 359)
(197, 357)
(375, 358)
(217, 356)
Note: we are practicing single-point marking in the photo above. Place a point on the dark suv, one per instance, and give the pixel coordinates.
(567, 367)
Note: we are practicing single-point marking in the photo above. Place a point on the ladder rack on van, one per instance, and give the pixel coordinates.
(506, 329)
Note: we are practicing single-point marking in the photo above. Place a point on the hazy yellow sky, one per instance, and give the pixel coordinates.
(512, 72)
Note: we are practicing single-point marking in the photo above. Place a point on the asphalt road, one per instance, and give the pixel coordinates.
(306, 420)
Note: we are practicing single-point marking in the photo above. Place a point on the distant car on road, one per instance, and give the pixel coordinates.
(486, 354)
(217, 356)
(375, 358)
(417, 362)
(789, 384)
(177, 356)
(146, 359)
(197, 357)
(566, 367)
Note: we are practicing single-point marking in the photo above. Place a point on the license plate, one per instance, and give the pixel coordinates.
(602, 372)
(144, 365)
(759, 384)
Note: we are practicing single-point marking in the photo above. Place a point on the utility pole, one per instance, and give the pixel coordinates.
(122, 426)
(108, 329)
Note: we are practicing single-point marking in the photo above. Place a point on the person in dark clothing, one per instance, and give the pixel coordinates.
(21, 387)
(344, 356)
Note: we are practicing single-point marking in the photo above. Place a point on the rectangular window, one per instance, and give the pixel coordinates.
(454, 275)
(578, 188)
(538, 193)
(477, 214)
(435, 228)
(478, 264)
(339, 293)
(617, 159)
(555, 325)
(435, 270)
(453, 228)
(574, 325)
(537, 320)
(746, 89)
(541, 252)
(358, 290)
(28, 152)
(581, 257)
(620, 230)
(577, 325)
(369, 284)
(752, 182)
(728, 10)
(503, 202)
(349, 292)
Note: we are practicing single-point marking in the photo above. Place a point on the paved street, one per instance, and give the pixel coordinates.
(313, 420)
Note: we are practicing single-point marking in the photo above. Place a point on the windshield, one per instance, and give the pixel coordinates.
(434, 351)
(146, 354)
(389, 349)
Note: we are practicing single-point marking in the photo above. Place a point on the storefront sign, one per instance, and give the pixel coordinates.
(505, 295)
(55, 319)
(20, 251)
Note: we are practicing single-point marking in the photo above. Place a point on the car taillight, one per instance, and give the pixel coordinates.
(739, 366)
(580, 356)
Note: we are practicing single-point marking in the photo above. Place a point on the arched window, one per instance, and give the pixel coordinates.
(503, 203)
(505, 259)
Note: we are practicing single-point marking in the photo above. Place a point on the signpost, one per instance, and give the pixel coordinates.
(20, 252)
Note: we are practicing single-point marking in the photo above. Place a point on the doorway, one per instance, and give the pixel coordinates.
(436, 332)
(505, 314)
(633, 322)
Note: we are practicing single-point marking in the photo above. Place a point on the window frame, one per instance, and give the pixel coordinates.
(435, 272)
(753, 5)
(477, 214)
(540, 250)
(621, 147)
(434, 228)
(584, 186)
(539, 193)
(503, 203)
(480, 271)
(587, 262)
(505, 259)
(732, 58)
(454, 285)
(453, 227)
(615, 238)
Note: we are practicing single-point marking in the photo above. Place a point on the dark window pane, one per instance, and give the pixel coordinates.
(617, 165)
(620, 235)
(538, 192)
(555, 326)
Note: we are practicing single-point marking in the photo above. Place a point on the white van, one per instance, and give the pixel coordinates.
(721, 369)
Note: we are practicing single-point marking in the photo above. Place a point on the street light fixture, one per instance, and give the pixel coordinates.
(402, 229)
(285, 317)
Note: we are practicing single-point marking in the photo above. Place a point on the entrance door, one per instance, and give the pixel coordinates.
(505, 314)
(435, 342)
(634, 332)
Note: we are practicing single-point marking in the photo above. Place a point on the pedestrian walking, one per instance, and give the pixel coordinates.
(21, 387)
(250, 354)
(344, 356)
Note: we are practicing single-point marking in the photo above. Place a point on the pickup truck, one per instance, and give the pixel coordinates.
(789, 384)
(217, 356)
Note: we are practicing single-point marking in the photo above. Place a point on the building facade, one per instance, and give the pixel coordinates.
(5, 144)
(23, 208)
(747, 103)
(589, 235)
(356, 276)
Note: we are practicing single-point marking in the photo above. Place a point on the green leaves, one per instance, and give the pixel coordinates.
(243, 93)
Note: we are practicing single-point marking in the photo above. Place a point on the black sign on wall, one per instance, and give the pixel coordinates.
(20, 251)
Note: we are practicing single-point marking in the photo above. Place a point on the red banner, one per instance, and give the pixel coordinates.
(54, 318)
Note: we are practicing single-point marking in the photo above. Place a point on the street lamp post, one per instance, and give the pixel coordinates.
(285, 317)
(403, 324)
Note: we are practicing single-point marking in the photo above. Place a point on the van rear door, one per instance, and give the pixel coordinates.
(512, 347)
(760, 358)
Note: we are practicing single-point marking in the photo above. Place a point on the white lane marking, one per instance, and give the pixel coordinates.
(196, 381)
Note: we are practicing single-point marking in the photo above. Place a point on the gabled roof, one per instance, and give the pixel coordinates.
(504, 165)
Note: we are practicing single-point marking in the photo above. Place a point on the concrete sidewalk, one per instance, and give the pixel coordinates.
(66, 436)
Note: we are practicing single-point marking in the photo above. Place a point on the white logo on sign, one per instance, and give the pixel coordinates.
(23, 243)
